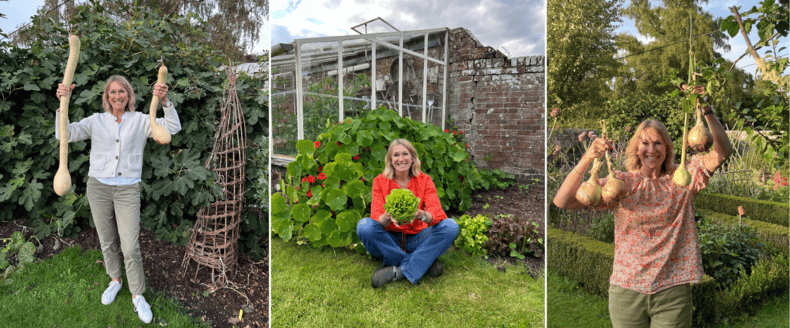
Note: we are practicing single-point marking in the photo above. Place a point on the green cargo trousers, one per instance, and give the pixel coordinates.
(670, 307)
(116, 212)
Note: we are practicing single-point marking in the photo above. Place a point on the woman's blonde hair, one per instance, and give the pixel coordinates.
(389, 170)
(105, 101)
(632, 161)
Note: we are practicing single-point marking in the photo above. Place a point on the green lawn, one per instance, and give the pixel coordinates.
(331, 288)
(593, 311)
(65, 291)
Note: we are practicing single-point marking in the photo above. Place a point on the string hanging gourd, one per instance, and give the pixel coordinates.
(589, 192)
(700, 138)
(682, 177)
(157, 131)
(614, 189)
(62, 181)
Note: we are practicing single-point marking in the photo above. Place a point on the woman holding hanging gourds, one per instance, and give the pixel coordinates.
(118, 137)
(657, 254)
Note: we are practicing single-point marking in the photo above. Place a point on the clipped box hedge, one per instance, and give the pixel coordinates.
(589, 262)
(772, 233)
(771, 212)
(580, 258)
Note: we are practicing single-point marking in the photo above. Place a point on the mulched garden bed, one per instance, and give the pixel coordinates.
(513, 200)
(248, 288)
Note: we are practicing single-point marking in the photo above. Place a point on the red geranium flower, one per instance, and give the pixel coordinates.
(320, 168)
(447, 130)
(305, 179)
(321, 176)
(467, 145)
(322, 185)
(461, 132)
(455, 132)
(363, 179)
(338, 143)
(311, 179)
(356, 157)
(309, 193)
(317, 144)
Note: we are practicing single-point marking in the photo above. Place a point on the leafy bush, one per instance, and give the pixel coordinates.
(727, 250)
(603, 229)
(765, 211)
(328, 185)
(775, 236)
(401, 204)
(174, 182)
(514, 237)
(17, 251)
(635, 108)
(472, 234)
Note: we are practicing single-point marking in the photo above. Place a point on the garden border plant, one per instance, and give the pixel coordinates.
(766, 211)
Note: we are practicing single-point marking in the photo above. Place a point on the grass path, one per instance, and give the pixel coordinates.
(65, 291)
(331, 288)
(593, 311)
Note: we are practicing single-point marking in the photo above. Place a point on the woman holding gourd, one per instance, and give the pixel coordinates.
(118, 137)
(409, 247)
(657, 254)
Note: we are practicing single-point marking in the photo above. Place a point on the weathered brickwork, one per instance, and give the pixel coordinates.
(499, 104)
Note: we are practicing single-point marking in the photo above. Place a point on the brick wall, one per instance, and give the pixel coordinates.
(499, 104)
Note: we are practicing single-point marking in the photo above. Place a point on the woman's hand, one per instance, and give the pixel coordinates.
(63, 91)
(598, 148)
(385, 220)
(418, 215)
(160, 90)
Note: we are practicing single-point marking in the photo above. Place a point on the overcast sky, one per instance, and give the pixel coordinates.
(721, 8)
(516, 25)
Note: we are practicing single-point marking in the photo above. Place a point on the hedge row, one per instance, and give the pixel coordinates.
(771, 212)
(590, 262)
(772, 233)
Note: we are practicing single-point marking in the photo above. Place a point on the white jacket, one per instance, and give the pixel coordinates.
(109, 148)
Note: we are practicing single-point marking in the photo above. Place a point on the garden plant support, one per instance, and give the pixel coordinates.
(216, 233)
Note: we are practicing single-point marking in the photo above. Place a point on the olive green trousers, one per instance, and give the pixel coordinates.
(668, 308)
(116, 212)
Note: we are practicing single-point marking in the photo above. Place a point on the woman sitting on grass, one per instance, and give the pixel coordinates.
(409, 249)
(657, 254)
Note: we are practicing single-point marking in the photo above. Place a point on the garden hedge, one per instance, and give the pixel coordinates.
(589, 262)
(772, 233)
(771, 212)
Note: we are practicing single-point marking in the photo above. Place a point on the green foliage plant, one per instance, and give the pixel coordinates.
(515, 237)
(472, 234)
(16, 251)
(773, 235)
(766, 211)
(727, 250)
(603, 229)
(327, 188)
(175, 183)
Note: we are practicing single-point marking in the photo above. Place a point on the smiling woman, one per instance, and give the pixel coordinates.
(409, 249)
(118, 137)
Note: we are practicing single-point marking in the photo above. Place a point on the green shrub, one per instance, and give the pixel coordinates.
(16, 251)
(175, 183)
(771, 212)
(472, 233)
(328, 185)
(580, 258)
(776, 235)
(602, 230)
(727, 250)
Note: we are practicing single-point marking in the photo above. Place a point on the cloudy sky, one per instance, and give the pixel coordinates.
(721, 8)
(511, 26)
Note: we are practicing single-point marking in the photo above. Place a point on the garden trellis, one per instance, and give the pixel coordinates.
(406, 71)
(216, 232)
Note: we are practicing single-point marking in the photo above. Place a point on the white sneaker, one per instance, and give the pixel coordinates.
(109, 294)
(142, 308)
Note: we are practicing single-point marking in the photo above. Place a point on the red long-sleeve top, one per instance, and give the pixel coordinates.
(422, 186)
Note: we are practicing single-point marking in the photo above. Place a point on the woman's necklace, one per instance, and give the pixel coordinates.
(403, 184)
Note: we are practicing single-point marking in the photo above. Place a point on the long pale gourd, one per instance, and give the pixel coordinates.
(157, 131)
(62, 181)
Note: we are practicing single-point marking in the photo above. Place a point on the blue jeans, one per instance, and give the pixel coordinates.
(421, 249)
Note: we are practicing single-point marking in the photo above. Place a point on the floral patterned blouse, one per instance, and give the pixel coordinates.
(655, 236)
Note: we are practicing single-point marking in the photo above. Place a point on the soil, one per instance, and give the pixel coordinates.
(520, 203)
(248, 287)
